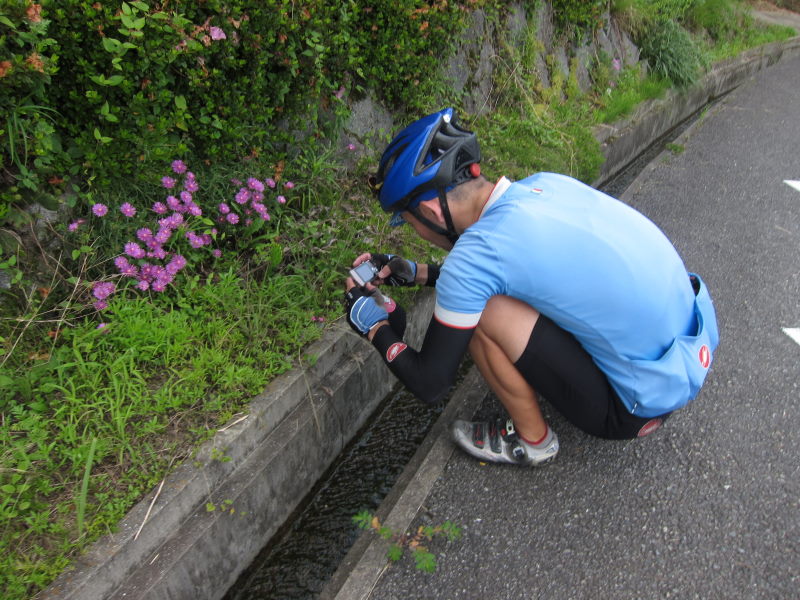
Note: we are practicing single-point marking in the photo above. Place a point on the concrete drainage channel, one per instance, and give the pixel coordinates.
(171, 546)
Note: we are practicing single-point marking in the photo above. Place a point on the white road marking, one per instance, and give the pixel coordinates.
(793, 333)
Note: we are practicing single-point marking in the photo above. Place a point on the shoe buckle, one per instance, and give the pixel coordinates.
(508, 432)
(518, 452)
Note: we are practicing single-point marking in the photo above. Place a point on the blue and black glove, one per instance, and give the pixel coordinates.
(404, 271)
(363, 311)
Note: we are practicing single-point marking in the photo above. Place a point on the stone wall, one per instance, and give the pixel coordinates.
(471, 68)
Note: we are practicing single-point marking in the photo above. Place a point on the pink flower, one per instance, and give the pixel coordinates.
(616, 65)
(173, 221)
(101, 325)
(134, 250)
(127, 209)
(216, 252)
(281, 200)
(163, 235)
(194, 210)
(217, 34)
(99, 209)
(270, 183)
(75, 224)
(158, 252)
(351, 147)
(160, 208)
(242, 196)
(143, 285)
(173, 203)
(144, 234)
(195, 241)
(232, 218)
(125, 268)
(255, 184)
(176, 263)
(159, 285)
(103, 289)
(224, 208)
(288, 185)
(191, 185)
(178, 166)
(100, 305)
(168, 182)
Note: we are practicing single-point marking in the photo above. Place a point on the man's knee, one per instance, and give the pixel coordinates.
(507, 322)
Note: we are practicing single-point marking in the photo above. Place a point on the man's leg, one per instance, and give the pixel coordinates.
(498, 342)
(502, 335)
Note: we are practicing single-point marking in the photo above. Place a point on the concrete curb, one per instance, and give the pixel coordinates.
(297, 427)
(623, 141)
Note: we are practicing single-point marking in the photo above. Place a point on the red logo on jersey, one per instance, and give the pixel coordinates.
(649, 427)
(394, 350)
(705, 356)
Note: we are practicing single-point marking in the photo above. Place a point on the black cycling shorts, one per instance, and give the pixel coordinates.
(559, 369)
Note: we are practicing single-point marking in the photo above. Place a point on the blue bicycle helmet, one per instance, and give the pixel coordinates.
(425, 160)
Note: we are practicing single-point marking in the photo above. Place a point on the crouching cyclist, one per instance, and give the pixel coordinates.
(556, 289)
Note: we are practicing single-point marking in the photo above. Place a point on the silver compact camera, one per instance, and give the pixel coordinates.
(364, 273)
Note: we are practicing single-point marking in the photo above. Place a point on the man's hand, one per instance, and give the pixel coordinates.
(392, 269)
(362, 310)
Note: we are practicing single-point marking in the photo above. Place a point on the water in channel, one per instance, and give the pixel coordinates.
(300, 560)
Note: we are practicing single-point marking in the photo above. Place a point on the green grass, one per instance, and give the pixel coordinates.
(630, 90)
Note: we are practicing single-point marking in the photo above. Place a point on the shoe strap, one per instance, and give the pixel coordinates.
(478, 429)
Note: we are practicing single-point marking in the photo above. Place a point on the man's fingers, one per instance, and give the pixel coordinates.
(361, 258)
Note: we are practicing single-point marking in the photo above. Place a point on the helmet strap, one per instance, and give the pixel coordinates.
(448, 220)
(449, 233)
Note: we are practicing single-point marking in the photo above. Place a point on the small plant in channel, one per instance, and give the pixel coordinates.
(424, 559)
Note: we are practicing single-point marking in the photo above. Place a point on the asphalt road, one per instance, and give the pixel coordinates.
(709, 506)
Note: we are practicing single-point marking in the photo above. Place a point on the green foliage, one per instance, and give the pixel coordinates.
(628, 91)
(671, 53)
(30, 148)
(142, 83)
(580, 15)
(92, 410)
(537, 127)
(665, 9)
(424, 559)
(720, 19)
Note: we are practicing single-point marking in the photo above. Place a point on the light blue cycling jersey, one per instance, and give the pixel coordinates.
(598, 269)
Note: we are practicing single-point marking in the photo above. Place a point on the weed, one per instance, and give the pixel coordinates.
(676, 149)
(672, 53)
(424, 560)
(630, 90)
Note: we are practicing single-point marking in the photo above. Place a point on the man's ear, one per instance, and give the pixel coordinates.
(432, 210)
